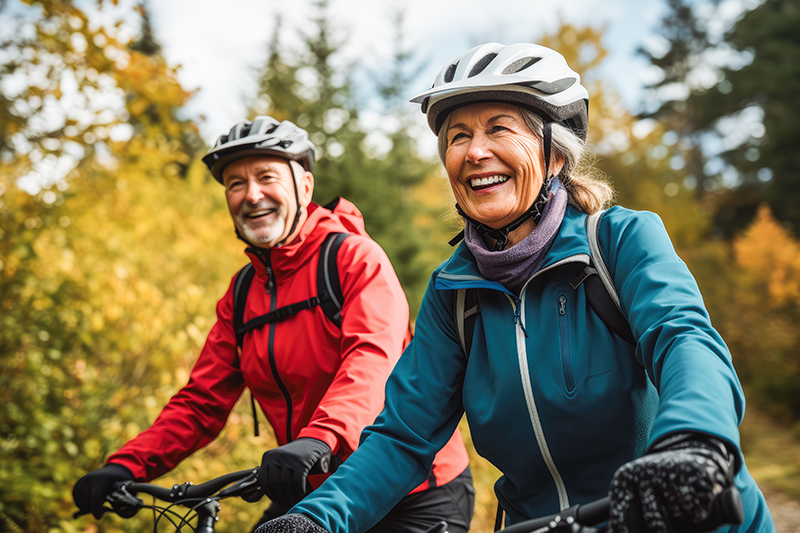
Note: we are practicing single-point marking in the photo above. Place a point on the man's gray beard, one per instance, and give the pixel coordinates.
(270, 239)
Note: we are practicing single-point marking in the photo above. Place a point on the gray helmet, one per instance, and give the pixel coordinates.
(527, 75)
(263, 136)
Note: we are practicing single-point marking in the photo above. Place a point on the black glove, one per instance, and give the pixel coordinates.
(91, 490)
(291, 523)
(671, 489)
(283, 472)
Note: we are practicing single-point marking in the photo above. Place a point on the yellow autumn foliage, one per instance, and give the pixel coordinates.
(769, 253)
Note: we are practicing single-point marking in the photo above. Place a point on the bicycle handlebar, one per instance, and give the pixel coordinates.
(124, 495)
(726, 508)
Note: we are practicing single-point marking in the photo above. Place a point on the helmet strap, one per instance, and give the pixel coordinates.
(535, 211)
(296, 202)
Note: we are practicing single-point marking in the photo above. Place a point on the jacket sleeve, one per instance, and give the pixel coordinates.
(374, 331)
(684, 356)
(423, 408)
(198, 412)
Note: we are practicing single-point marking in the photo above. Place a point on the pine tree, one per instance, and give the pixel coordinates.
(761, 79)
(310, 90)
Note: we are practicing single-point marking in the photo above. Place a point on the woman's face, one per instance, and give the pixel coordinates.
(494, 162)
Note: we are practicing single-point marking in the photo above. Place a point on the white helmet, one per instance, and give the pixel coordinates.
(527, 75)
(263, 136)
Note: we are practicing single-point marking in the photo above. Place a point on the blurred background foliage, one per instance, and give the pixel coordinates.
(111, 265)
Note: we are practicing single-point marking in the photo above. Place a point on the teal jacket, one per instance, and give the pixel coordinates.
(553, 399)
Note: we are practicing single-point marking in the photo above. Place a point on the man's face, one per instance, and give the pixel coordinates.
(261, 199)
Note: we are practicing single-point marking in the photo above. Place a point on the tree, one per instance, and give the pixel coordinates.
(108, 281)
(310, 90)
(735, 116)
(767, 159)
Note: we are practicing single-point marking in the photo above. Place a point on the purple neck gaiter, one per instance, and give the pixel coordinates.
(513, 266)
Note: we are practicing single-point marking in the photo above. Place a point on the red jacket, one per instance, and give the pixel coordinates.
(311, 378)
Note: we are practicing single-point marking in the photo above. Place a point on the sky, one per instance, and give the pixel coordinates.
(219, 45)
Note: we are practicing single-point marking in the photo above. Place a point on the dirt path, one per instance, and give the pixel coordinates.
(785, 511)
(772, 452)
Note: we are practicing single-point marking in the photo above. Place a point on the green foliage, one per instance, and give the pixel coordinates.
(759, 78)
(769, 83)
(309, 90)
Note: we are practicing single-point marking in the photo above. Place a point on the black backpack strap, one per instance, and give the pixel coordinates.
(599, 285)
(277, 315)
(240, 289)
(329, 288)
(465, 314)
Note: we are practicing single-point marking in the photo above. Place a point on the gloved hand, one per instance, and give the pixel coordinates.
(291, 523)
(284, 470)
(670, 490)
(91, 490)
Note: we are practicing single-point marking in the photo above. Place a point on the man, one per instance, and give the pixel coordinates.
(318, 376)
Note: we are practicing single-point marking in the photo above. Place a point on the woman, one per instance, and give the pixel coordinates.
(566, 409)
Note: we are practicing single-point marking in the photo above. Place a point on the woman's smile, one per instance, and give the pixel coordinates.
(481, 184)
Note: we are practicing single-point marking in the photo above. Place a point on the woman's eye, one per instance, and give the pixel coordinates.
(497, 129)
(458, 136)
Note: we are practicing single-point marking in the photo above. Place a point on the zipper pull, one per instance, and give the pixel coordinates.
(270, 279)
(562, 305)
(518, 318)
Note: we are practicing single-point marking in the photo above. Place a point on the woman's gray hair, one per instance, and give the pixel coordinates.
(587, 190)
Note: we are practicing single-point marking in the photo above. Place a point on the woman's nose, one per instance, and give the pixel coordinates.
(478, 150)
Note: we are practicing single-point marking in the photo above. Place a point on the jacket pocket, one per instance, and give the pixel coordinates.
(563, 336)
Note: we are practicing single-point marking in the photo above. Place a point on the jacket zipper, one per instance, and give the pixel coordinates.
(518, 305)
(563, 333)
(272, 289)
(522, 353)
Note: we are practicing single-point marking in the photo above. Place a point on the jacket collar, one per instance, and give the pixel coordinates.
(461, 271)
(288, 258)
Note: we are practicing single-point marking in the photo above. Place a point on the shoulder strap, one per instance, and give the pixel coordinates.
(329, 289)
(465, 315)
(240, 289)
(599, 285)
(329, 292)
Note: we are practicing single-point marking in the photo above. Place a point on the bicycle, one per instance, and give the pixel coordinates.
(201, 500)
(727, 508)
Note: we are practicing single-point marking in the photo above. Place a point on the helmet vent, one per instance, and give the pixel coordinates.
(520, 64)
(481, 64)
(451, 72)
(245, 131)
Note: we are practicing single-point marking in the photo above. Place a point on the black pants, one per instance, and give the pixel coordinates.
(453, 503)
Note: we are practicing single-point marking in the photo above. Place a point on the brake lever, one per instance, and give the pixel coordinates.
(240, 487)
(122, 502)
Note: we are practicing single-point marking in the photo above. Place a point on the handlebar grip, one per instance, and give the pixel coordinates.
(594, 512)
